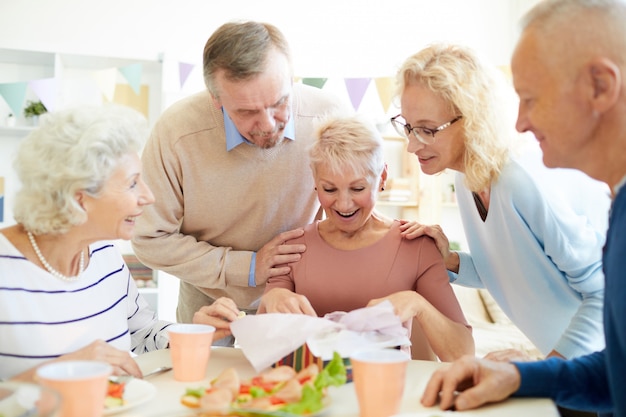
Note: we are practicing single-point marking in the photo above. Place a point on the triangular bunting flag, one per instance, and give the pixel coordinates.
(183, 72)
(506, 70)
(356, 90)
(315, 82)
(47, 90)
(106, 82)
(385, 88)
(132, 73)
(14, 94)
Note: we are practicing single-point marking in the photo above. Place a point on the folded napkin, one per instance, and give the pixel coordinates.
(266, 338)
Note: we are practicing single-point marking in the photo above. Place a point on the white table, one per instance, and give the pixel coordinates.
(343, 401)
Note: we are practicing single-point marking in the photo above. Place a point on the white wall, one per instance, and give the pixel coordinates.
(347, 38)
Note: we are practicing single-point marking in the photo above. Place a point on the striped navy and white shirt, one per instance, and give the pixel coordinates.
(43, 317)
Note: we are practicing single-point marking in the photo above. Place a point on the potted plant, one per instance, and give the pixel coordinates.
(33, 110)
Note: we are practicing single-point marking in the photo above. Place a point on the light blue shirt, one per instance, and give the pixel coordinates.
(234, 139)
(539, 252)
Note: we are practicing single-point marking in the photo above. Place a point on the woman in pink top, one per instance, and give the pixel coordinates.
(356, 257)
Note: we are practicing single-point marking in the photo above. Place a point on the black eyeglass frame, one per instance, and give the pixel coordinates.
(406, 129)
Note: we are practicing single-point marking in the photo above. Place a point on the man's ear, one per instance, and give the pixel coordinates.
(606, 80)
(216, 102)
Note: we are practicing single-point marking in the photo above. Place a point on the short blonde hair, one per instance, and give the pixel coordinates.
(474, 91)
(348, 142)
(72, 150)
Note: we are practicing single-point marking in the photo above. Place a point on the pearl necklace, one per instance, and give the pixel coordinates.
(49, 268)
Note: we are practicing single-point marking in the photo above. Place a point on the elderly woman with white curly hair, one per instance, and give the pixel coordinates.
(65, 290)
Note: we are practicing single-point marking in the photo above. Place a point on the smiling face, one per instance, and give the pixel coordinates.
(259, 107)
(423, 108)
(112, 215)
(348, 197)
(552, 105)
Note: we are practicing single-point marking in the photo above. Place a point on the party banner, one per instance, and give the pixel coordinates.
(132, 73)
(356, 90)
(385, 87)
(48, 91)
(315, 82)
(14, 94)
(106, 80)
(183, 72)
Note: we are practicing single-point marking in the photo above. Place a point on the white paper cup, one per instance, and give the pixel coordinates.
(82, 385)
(18, 399)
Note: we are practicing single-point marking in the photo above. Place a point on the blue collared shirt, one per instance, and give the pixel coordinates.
(234, 139)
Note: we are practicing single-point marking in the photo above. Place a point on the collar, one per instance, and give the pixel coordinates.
(234, 138)
(619, 185)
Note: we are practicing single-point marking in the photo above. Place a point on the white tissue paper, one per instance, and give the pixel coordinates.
(266, 338)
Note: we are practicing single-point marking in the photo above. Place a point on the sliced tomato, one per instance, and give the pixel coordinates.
(115, 389)
(305, 379)
(258, 382)
(276, 401)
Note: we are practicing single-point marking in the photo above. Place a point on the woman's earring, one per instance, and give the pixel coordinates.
(382, 188)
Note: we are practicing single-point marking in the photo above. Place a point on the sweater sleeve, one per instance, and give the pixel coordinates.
(579, 383)
(147, 333)
(159, 241)
(573, 242)
(467, 276)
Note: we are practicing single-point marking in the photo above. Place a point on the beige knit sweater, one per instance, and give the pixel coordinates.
(214, 208)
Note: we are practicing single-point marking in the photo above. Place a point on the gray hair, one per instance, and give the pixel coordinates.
(72, 150)
(579, 26)
(240, 49)
(547, 12)
(348, 141)
(475, 91)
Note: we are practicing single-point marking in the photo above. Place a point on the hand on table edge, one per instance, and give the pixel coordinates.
(470, 382)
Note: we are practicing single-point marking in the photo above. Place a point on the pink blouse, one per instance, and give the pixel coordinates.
(343, 280)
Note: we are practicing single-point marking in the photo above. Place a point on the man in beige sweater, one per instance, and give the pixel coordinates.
(230, 172)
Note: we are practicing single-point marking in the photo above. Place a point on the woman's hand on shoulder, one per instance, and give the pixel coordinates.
(413, 229)
(282, 300)
(220, 314)
(120, 360)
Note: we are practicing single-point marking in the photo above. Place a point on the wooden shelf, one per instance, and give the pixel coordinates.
(403, 174)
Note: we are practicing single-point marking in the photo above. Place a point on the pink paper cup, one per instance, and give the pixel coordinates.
(190, 349)
(19, 399)
(379, 377)
(81, 384)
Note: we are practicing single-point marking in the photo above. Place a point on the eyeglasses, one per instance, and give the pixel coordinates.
(423, 134)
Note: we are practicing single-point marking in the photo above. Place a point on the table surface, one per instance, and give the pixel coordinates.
(343, 401)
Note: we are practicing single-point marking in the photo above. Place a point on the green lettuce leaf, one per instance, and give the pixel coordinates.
(333, 374)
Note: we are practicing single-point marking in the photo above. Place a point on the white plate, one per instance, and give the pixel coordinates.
(137, 391)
